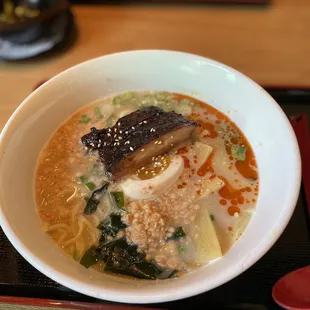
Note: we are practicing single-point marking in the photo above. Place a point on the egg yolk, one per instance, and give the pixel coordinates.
(157, 166)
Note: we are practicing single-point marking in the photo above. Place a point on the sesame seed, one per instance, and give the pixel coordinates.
(120, 138)
(119, 124)
(142, 168)
(109, 135)
(153, 158)
(131, 148)
(140, 123)
(142, 150)
(171, 137)
(145, 122)
(133, 128)
(159, 142)
(120, 132)
(99, 145)
(104, 143)
(92, 144)
(115, 130)
(126, 132)
(162, 169)
(99, 140)
(146, 172)
(127, 142)
(117, 143)
(110, 130)
(155, 142)
(114, 143)
(171, 144)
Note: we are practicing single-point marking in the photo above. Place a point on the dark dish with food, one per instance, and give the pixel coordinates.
(149, 185)
(12, 11)
(19, 15)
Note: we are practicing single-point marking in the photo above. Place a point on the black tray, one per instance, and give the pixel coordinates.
(250, 290)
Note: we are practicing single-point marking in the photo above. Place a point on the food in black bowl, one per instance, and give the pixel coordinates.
(23, 21)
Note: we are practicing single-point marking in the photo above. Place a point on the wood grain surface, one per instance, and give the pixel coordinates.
(270, 43)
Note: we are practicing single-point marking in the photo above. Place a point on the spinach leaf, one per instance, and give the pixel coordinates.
(238, 152)
(133, 255)
(111, 227)
(116, 222)
(144, 270)
(121, 264)
(90, 257)
(94, 200)
(120, 248)
(167, 274)
(179, 232)
(122, 258)
(119, 199)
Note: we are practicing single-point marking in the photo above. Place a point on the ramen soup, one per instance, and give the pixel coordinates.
(149, 185)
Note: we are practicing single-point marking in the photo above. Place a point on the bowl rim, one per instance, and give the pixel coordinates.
(74, 284)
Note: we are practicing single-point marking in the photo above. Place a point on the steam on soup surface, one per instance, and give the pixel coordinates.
(112, 205)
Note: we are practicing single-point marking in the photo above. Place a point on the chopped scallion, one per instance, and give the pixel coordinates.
(98, 113)
(119, 199)
(84, 119)
(181, 249)
(83, 179)
(238, 152)
(111, 120)
(90, 185)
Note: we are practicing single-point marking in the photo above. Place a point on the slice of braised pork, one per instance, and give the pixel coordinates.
(137, 137)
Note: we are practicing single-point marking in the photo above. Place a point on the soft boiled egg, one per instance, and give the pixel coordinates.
(144, 189)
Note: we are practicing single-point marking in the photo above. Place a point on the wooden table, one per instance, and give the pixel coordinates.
(270, 44)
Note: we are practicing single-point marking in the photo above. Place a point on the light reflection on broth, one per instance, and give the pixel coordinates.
(193, 221)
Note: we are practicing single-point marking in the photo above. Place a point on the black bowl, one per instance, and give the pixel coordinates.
(28, 30)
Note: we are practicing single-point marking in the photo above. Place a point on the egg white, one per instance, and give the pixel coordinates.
(145, 189)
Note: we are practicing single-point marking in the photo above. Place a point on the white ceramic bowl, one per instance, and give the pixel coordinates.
(247, 104)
